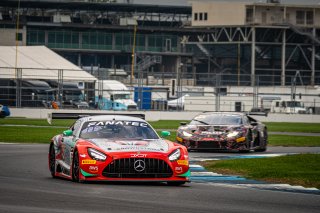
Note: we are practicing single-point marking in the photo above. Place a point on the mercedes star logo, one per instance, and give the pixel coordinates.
(139, 165)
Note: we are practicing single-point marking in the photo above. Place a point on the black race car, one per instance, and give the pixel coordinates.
(223, 131)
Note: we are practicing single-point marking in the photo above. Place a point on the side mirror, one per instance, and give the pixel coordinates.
(68, 132)
(165, 134)
(183, 123)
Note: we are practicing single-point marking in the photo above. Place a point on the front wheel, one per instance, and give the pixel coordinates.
(263, 145)
(52, 161)
(75, 167)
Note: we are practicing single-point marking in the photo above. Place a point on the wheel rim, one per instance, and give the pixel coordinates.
(75, 169)
(52, 160)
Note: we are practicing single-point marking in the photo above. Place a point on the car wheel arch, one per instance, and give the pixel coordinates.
(75, 178)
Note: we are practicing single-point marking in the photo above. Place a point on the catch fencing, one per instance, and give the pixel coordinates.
(163, 91)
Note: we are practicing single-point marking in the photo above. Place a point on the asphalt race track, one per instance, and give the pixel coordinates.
(26, 186)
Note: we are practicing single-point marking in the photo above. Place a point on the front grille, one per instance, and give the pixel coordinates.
(210, 145)
(125, 168)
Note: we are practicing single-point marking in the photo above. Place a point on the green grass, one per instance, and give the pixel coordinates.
(43, 134)
(293, 140)
(300, 169)
(173, 124)
(28, 134)
(35, 122)
(279, 140)
(165, 124)
(293, 127)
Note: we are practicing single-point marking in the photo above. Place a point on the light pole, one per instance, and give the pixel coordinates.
(133, 61)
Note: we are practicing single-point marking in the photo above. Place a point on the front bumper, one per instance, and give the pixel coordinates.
(126, 168)
(214, 143)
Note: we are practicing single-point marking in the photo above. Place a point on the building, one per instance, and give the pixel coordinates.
(284, 39)
(205, 44)
(100, 34)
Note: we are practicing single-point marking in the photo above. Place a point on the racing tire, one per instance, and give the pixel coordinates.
(265, 142)
(52, 161)
(176, 183)
(76, 167)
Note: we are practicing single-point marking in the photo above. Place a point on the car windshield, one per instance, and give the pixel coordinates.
(117, 129)
(217, 119)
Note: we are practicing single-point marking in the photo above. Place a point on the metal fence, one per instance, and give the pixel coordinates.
(163, 91)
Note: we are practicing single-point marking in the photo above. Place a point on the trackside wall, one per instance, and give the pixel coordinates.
(164, 115)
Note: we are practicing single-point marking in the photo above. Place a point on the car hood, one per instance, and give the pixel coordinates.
(209, 129)
(108, 145)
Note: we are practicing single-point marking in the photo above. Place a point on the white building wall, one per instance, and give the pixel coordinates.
(7, 37)
(234, 13)
(219, 13)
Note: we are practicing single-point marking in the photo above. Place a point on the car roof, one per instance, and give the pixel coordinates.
(112, 117)
(223, 113)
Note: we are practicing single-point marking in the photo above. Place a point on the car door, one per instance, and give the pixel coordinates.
(69, 142)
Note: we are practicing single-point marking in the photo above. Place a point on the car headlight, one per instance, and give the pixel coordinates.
(233, 134)
(96, 155)
(175, 155)
(186, 134)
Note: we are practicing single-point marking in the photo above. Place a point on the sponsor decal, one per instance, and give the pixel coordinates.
(211, 133)
(183, 162)
(122, 123)
(138, 155)
(141, 148)
(89, 161)
(131, 143)
(178, 169)
(83, 155)
(179, 139)
(93, 169)
(238, 140)
(209, 139)
(139, 165)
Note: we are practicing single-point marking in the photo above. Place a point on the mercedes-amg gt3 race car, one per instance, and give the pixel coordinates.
(223, 131)
(117, 148)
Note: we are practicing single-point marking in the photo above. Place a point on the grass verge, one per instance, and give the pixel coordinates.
(28, 134)
(293, 140)
(293, 127)
(42, 133)
(302, 169)
(36, 122)
(25, 134)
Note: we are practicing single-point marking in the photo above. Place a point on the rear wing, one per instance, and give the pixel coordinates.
(60, 115)
(259, 113)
